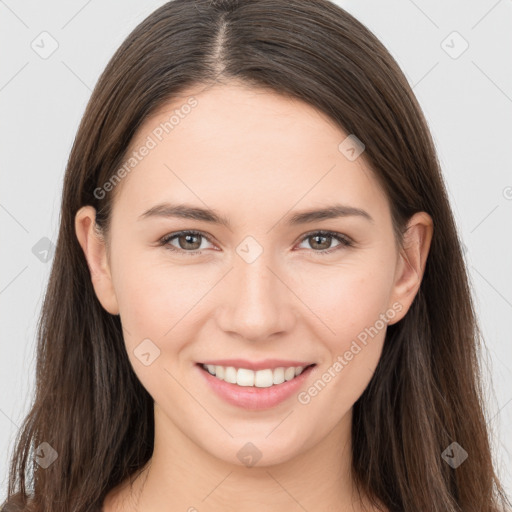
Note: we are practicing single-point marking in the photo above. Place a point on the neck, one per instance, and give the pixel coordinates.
(182, 476)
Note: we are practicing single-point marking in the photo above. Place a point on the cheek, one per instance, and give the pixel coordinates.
(156, 296)
(353, 304)
(348, 299)
(156, 305)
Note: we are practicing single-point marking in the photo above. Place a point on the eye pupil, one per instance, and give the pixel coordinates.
(325, 245)
(188, 237)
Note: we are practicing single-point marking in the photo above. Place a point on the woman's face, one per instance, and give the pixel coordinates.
(263, 290)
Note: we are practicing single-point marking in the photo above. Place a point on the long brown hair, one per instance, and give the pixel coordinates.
(426, 392)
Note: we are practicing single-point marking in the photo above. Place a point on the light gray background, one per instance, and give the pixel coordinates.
(467, 101)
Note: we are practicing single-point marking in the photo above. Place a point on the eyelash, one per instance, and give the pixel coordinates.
(344, 241)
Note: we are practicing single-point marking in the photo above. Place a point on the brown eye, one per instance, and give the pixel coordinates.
(320, 241)
(187, 242)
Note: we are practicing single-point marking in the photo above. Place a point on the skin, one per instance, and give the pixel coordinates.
(255, 157)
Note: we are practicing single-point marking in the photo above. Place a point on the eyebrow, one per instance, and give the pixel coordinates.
(185, 211)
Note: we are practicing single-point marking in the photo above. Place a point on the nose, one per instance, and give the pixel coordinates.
(257, 301)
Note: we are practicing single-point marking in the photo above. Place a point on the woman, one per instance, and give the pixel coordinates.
(258, 298)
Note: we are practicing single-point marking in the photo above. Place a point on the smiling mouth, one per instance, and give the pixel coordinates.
(245, 377)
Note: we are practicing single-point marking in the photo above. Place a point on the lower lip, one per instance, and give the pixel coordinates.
(251, 397)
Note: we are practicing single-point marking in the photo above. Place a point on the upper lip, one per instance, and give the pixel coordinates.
(257, 365)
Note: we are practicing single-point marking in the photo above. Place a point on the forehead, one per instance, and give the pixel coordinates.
(252, 148)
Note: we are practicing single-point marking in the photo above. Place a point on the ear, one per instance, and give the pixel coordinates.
(95, 250)
(411, 262)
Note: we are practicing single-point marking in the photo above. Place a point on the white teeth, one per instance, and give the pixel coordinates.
(289, 373)
(230, 375)
(219, 371)
(244, 377)
(263, 378)
(278, 377)
(260, 378)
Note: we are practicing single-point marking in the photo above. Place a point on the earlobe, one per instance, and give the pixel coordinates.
(95, 251)
(412, 261)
